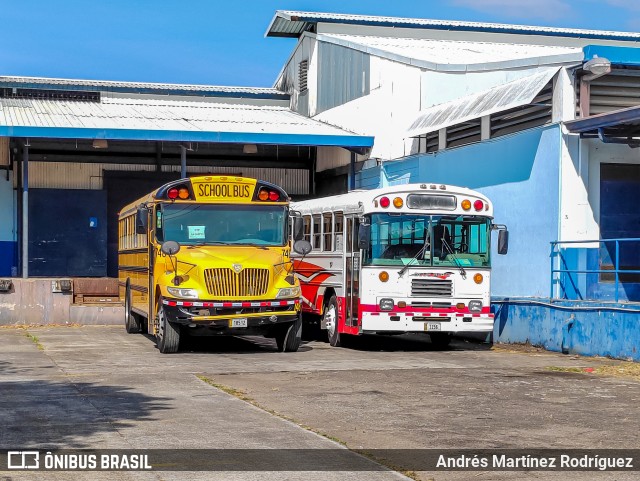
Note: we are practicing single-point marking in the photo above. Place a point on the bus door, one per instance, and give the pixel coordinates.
(352, 272)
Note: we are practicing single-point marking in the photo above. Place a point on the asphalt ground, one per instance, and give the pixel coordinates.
(100, 388)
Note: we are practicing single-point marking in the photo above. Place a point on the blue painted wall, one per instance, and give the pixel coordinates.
(570, 327)
(520, 174)
(7, 225)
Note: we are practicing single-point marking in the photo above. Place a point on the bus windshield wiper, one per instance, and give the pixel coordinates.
(455, 258)
(418, 254)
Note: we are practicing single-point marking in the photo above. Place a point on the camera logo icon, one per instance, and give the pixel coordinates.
(23, 460)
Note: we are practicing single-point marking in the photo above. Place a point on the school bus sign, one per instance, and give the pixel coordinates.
(237, 191)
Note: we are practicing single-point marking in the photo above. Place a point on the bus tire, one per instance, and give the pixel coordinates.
(440, 340)
(168, 337)
(330, 319)
(131, 321)
(289, 338)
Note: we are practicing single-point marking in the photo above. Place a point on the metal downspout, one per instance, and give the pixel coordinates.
(183, 162)
(25, 210)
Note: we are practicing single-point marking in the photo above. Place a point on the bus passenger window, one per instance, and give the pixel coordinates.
(339, 231)
(316, 232)
(327, 231)
(306, 220)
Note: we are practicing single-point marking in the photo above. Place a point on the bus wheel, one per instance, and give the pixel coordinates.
(131, 321)
(330, 319)
(440, 340)
(168, 337)
(288, 339)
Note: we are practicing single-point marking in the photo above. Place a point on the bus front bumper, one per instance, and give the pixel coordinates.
(450, 322)
(232, 315)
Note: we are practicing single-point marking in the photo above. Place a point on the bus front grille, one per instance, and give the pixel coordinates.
(226, 283)
(431, 288)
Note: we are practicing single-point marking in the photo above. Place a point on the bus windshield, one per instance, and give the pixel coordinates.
(423, 240)
(195, 224)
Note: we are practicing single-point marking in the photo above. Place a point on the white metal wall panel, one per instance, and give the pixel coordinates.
(345, 75)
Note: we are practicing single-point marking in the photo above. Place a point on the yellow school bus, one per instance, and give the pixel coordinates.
(209, 256)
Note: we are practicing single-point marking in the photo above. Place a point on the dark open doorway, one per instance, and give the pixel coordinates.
(123, 188)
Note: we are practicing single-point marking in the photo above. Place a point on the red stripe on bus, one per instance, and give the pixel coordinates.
(423, 310)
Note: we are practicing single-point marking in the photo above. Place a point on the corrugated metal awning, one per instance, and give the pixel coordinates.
(620, 126)
(497, 99)
(131, 117)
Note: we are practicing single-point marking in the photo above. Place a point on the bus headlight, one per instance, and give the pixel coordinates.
(286, 292)
(386, 304)
(475, 306)
(184, 293)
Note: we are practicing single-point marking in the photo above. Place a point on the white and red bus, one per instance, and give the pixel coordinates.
(400, 259)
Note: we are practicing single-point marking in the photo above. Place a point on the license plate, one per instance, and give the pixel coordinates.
(238, 323)
(431, 326)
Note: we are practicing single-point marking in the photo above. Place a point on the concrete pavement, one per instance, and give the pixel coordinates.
(97, 387)
(101, 389)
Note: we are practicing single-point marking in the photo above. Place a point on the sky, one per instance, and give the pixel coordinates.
(222, 42)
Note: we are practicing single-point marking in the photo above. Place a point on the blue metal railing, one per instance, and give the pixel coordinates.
(558, 261)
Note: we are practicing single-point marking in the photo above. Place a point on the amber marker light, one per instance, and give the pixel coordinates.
(263, 195)
(478, 278)
(183, 193)
(397, 202)
(466, 204)
(383, 276)
(460, 305)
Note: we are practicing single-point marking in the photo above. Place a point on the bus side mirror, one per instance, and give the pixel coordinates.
(364, 236)
(298, 228)
(170, 248)
(503, 241)
(142, 220)
(302, 247)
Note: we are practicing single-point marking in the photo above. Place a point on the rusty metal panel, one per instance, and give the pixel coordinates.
(67, 175)
(95, 287)
(71, 175)
(4, 151)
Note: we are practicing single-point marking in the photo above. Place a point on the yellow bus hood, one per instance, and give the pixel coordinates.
(226, 256)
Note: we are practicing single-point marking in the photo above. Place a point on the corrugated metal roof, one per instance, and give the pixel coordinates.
(140, 87)
(449, 55)
(497, 99)
(292, 23)
(120, 116)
